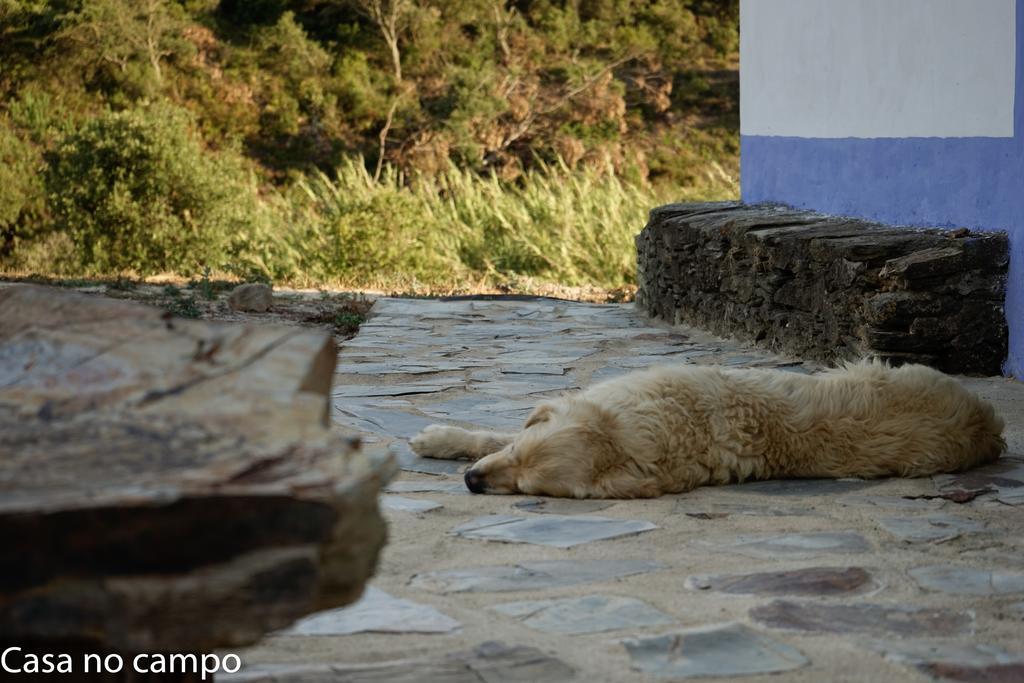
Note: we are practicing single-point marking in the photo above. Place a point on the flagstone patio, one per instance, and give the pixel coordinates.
(893, 580)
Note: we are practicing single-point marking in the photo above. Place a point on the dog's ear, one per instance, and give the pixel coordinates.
(541, 413)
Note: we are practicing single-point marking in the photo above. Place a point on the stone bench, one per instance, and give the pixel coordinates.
(828, 288)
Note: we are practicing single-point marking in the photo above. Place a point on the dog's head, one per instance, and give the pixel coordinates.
(568, 449)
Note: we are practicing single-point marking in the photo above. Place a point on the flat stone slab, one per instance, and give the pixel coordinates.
(501, 422)
(722, 650)
(527, 576)
(1010, 496)
(533, 370)
(895, 502)
(796, 545)
(403, 504)
(403, 389)
(961, 580)
(490, 662)
(802, 487)
(431, 486)
(991, 673)
(396, 423)
(813, 581)
(1005, 477)
(410, 462)
(483, 411)
(562, 506)
(720, 510)
(376, 612)
(607, 372)
(541, 384)
(864, 618)
(743, 360)
(641, 361)
(935, 528)
(536, 354)
(917, 652)
(559, 531)
(387, 368)
(970, 663)
(586, 614)
(473, 404)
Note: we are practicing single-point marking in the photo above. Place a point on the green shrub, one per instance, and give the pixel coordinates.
(136, 191)
(356, 230)
(40, 114)
(21, 192)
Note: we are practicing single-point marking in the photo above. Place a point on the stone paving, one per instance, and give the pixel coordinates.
(893, 580)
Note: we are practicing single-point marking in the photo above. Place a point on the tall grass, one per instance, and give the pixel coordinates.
(573, 227)
(459, 230)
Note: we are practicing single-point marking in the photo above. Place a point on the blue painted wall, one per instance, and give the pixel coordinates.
(963, 182)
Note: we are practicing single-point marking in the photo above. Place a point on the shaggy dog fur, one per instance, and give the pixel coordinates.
(671, 429)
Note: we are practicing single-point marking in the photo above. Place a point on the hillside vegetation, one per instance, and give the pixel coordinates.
(361, 142)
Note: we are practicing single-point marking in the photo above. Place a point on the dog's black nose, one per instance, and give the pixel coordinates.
(474, 482)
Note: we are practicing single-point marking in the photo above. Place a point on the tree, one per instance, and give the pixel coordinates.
(117, 36)
(391, 18)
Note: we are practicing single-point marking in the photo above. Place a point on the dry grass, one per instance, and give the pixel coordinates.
(555, 231)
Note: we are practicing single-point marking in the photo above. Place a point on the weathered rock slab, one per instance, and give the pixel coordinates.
(864, 618)
(895, 502)
(410, 462)
(918, 652)
(961, 580)
(559, 531)
(721, 510)
(585, 614)
(490, 662)
(1005, 478)
(375, 612)
(155, 469)
(456, 488)
(802, 487)
(718, 651)
(403, 504)
(404, 389)
(812, 581)
(797, 545)
(933, 528)
(383, 421)
(988, 673)
(562, 506)
(527, 576)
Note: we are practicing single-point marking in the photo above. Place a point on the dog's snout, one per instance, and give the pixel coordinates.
(474, 481)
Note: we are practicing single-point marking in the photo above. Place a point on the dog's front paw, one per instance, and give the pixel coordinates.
(441, 441)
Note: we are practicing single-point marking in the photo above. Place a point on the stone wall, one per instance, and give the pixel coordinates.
(828, 288)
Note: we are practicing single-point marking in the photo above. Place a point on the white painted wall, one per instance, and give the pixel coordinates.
(877, 68)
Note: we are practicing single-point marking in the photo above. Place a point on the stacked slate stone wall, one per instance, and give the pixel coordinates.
(828, 288)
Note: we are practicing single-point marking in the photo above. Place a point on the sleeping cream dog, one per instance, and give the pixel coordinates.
(670, 429)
